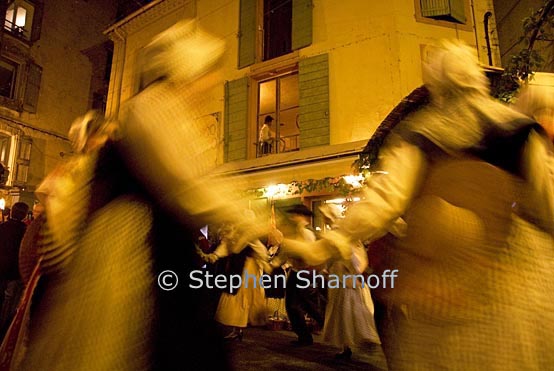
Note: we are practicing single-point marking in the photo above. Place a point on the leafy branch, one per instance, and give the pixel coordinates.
(537, 27)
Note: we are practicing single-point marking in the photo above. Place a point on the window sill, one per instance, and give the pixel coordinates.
(12, 104)
(276, 65)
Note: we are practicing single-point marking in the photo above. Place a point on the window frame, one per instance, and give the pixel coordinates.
(467, 26)
(14, 102)
(15, 73)
(262, 26)
(251, 34)
(285, 66)
(260, 36)
(30, 9)
(277, 115)
(25, 84)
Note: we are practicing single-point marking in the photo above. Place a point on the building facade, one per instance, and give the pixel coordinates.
(327, 73)
(53, 57)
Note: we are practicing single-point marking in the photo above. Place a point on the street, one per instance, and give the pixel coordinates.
(263, 349)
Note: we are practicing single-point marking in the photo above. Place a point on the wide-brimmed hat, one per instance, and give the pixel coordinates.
(300, 210)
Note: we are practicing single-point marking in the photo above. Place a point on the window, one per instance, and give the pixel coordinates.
(295, 96)
(272, 28)
(8, 75)
(277, 28)
(19, 19)
(446, 13)
(278, 98)
(19, 84)
(5, 143)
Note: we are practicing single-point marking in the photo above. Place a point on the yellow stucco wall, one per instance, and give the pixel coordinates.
(374, 52)
(68, 28)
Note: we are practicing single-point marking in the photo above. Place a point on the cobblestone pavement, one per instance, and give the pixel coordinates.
(262, 349)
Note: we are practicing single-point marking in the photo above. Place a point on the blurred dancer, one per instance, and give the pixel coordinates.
(300, 301)
(122, 211)
(471, 178)
(246, 305)
(349, 312)
(537, 102)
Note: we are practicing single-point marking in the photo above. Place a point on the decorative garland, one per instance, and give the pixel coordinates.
(333, 185)
(330, 185)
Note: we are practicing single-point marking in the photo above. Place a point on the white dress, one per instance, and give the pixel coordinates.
(247, 306)
(349, 313)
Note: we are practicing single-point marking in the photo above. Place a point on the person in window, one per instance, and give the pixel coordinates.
(471, 178)
(267, 136)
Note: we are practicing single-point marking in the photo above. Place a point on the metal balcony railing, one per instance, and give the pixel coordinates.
(16, 30)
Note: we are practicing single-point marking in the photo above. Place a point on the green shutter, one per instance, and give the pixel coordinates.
(247, 33)
(32, 88)
(448, 10)
(301, 23)
(236, 119)
(313, 85)
(37, 21)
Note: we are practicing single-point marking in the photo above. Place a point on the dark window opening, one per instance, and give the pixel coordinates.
(8, 72)
(277, 28)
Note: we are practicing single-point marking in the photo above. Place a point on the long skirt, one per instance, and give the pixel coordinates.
(247, 306)
(349, 317)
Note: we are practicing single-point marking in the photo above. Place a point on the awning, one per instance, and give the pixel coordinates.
(313, 163)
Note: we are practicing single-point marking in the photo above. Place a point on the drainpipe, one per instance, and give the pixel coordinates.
(487, 38)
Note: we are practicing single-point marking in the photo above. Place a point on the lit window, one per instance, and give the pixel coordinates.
(19, 19)
(5, 143)
(296, 96)
(278, 99)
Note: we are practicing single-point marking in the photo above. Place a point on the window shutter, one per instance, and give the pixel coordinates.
(23, 161)
(32, 88)
(236, 119)
(313, 84)
(448, 10)
(301, 23)
(247, 33)
(37, 21)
